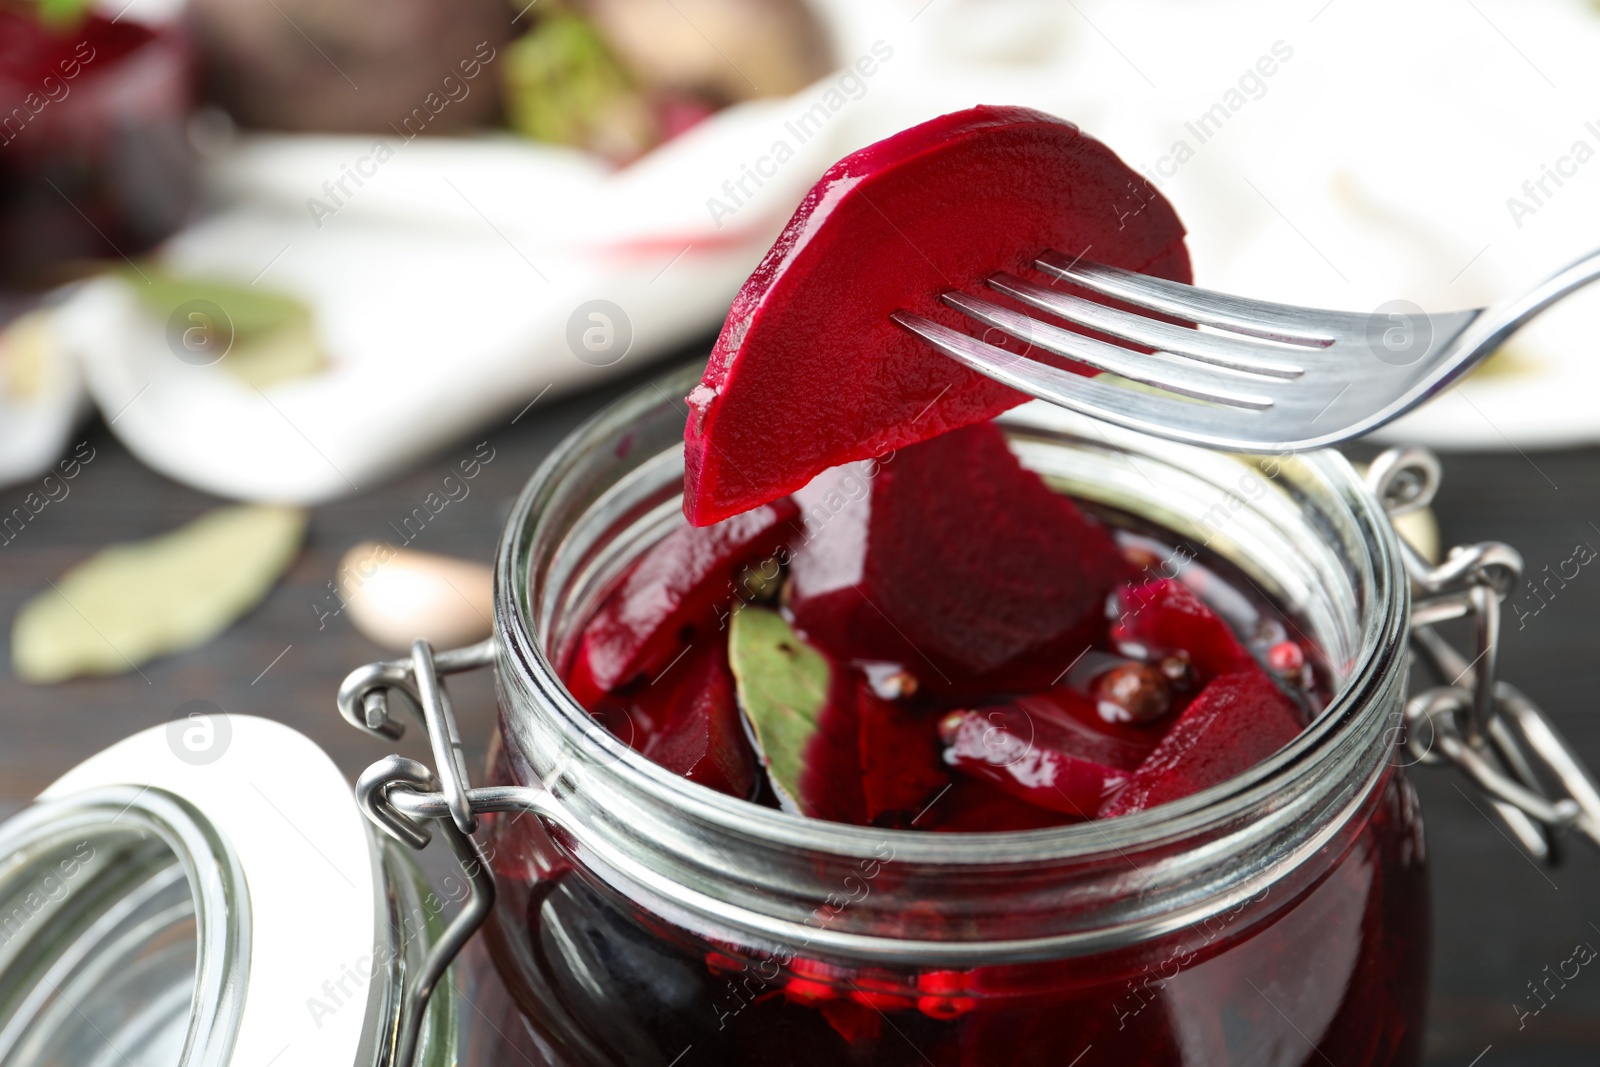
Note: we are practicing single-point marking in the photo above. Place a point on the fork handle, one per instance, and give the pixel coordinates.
(1496, 324)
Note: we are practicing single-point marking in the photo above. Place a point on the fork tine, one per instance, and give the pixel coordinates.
(1168, 417)
(1175, 375)
(1239, 353)
(1257, 318)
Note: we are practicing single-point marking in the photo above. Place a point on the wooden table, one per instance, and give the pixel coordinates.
(1499, 919)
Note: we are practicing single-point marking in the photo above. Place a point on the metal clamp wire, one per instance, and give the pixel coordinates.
(443, 737)
(375, 791)
(1477, 723)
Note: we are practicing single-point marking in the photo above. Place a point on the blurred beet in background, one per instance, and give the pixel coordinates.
(93, 154)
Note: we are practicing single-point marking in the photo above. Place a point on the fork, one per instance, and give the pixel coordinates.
(1249, 375)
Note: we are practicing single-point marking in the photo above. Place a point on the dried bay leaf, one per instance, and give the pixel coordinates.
(783, 685)
(130, 603)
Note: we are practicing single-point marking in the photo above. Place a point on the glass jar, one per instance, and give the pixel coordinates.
(1278, 918)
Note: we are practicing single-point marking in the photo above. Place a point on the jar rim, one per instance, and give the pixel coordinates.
(1378, 665)
(142, 845)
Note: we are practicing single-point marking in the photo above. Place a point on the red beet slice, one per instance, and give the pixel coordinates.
(672, 592)
(901, 768)
(952, 558)
(702, 734)
(1236, 722)
(33, 51)
(1036, 752)
(1116, 744)
(809, 372)
(974, 805)
(1166, 617)
(580, 681)
(830, 783)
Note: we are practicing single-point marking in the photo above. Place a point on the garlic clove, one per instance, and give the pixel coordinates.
(395, 596)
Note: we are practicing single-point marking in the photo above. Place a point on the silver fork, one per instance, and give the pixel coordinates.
(1260, 377)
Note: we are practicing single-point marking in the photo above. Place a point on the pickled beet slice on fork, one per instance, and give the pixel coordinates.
(1237, 721)
(953, 559)
(810, 373)
(672, 592)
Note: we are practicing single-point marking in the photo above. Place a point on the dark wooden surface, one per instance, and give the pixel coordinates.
(1499, 920)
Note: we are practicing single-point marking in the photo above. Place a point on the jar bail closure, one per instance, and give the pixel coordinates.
(364, 702)
(1474, 722)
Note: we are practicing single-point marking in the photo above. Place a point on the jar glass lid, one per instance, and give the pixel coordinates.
(204, 893)
(125, 933)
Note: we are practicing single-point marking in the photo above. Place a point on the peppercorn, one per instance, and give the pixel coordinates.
(1131, 692)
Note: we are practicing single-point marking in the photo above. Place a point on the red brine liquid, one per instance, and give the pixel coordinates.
(985, 656)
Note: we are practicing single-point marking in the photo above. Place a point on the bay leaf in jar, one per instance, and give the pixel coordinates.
(783, 690)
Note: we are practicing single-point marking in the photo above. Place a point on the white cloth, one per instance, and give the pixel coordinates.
(1376, 161)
